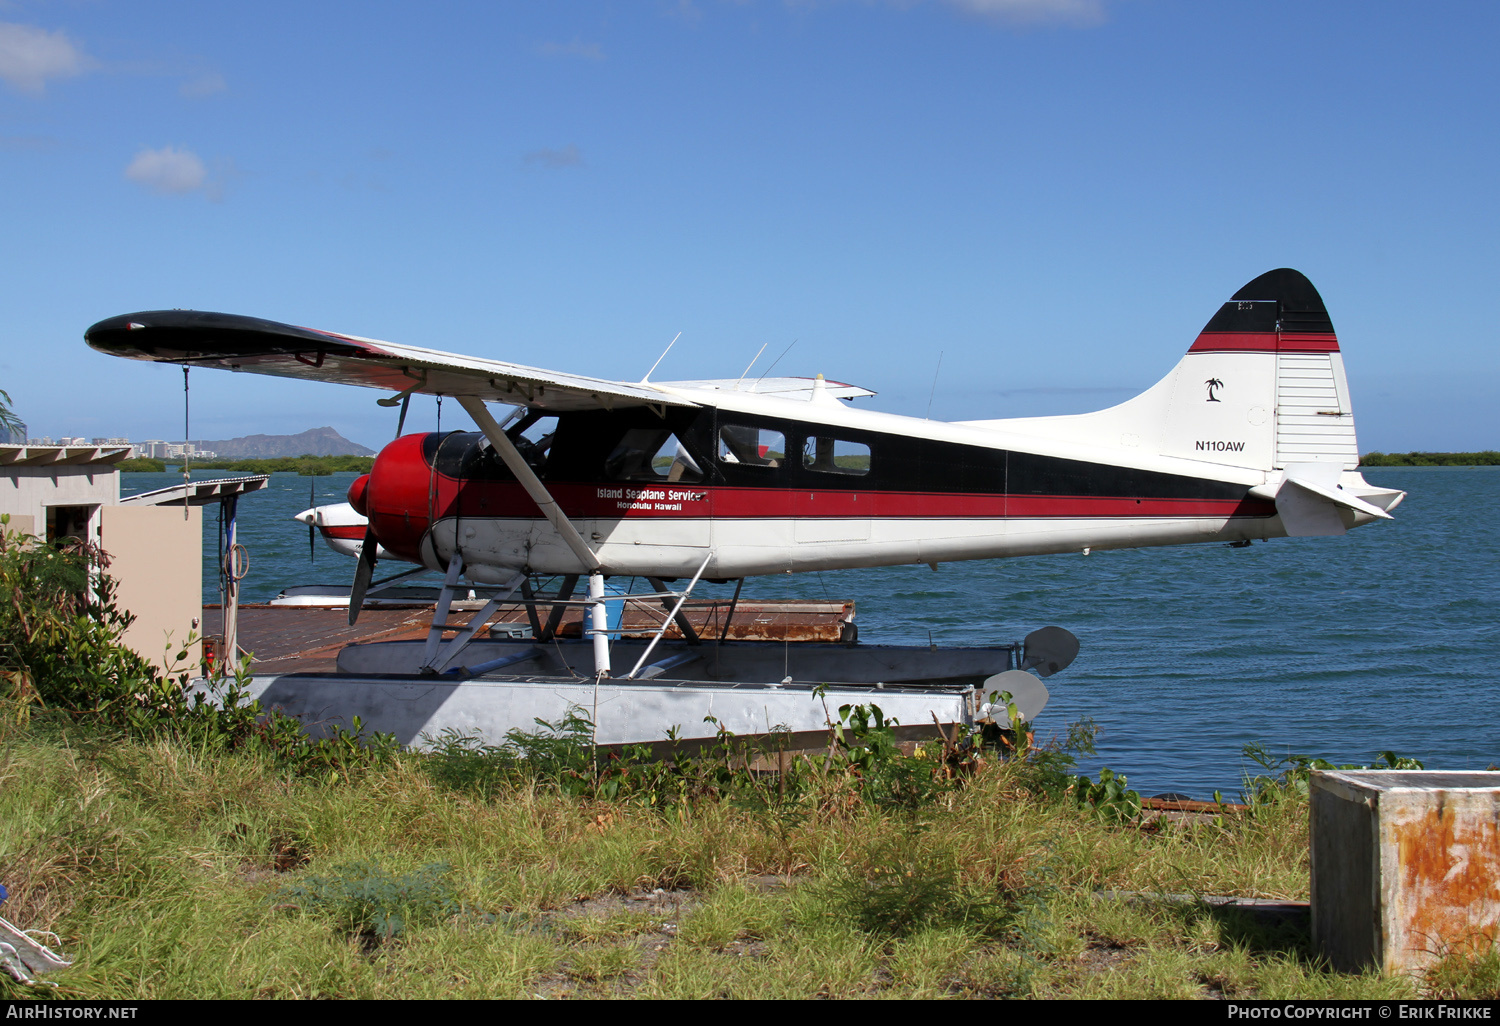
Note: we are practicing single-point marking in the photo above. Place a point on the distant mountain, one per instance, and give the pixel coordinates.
(323, 441)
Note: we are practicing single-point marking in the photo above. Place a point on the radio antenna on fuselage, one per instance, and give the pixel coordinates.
(769, 369)
(935, 374)
(662, 357)
(749, 365)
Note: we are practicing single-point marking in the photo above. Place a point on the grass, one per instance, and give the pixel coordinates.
(173, 872)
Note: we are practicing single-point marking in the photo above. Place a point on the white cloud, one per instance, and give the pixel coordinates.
(577, 48)
(568, 156)
(205, 84)
(168, 171)
(29, 56)
(1033, 12)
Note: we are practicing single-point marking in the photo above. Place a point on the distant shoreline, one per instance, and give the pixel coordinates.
(1489, 458)
(307, 466)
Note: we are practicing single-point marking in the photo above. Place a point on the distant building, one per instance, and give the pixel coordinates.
(16, 437)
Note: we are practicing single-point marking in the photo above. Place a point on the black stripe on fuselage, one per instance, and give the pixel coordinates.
(898, 463)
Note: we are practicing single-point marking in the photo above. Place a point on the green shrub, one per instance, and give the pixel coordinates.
(363, 898)
(59, 618)
(62, 651)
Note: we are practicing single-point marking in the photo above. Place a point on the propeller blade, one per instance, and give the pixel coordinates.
(1028, 694)
(312, 503)
(362, 576)
(401, 421)
(1048, 650)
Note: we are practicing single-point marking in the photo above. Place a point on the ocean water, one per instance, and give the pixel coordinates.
(1385, 639)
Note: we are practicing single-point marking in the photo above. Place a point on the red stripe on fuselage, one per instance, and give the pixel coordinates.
(667, 502)
(1264, 342)
(406, 497)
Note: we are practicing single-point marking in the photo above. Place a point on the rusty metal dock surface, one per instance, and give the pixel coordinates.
(307, 639)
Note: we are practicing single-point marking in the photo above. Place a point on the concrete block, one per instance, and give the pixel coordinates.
(1405, 866)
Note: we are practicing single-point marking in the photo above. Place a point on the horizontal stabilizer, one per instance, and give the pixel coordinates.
(1309, 500)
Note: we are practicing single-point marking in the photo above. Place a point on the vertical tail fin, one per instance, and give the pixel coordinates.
(1278, 324)
(1262, 388)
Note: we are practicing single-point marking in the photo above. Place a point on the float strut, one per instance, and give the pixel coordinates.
(599, 626)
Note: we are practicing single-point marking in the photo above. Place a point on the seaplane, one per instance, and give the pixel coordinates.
(1249, 437)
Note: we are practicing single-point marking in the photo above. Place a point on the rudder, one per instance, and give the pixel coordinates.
(1280, 322)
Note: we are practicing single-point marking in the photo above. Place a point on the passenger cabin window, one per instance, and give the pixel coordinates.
(652, 454)
(835, 456)
(751, 446)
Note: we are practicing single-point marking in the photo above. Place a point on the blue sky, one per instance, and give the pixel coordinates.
(1054, 195)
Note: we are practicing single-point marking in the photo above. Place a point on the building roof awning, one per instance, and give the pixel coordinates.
(61, 455)
(199, 493)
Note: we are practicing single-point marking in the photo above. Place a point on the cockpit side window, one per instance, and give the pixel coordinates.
(751, 446)
(652, 454)
(532, 436)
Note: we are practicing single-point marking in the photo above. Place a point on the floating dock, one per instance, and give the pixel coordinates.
(758, 670)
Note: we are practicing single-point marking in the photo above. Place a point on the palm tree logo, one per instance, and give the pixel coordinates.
(1212, 384)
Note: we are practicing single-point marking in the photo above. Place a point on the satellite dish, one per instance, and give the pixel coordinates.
(1048, 650)
(1029, 695)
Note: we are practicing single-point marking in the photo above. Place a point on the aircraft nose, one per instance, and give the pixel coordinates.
(359, 493)
(307, 516)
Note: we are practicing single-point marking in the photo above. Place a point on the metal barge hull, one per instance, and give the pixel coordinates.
(419, 711)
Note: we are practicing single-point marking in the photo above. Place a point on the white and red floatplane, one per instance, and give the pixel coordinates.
(1251, 436)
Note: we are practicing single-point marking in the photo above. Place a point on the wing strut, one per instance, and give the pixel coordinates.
(533, 484)
(681, 598)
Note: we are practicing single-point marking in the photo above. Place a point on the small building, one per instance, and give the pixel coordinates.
(57, 491)
(154, 541)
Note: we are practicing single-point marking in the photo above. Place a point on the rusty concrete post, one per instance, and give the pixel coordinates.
(1405, 866)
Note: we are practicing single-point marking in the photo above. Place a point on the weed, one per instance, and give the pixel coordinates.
(363, 898)
(1295, 771)
(1465, 976)
(596, 963)
(620, 926)
(1110, 799)
(899, 885)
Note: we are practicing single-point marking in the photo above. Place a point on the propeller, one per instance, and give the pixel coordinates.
(1027, 694)
(312, 504)
(1048, 650)
(365, 572)
(362, 575)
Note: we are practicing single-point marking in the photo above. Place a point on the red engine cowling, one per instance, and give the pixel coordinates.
(394, 497)
(420, 480)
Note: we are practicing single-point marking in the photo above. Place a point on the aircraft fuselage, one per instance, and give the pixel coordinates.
(774, 485)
